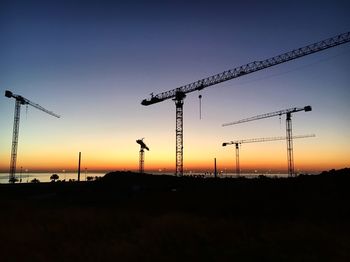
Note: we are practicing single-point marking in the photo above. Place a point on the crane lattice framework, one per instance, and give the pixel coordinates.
(142, 155)
(179, 94)
(20, 100)
(237, 143)
(289, 137)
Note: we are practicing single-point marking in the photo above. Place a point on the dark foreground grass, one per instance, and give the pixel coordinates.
(126, 217)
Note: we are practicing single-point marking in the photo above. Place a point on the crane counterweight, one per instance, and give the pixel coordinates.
(8, 94)
(307, 108)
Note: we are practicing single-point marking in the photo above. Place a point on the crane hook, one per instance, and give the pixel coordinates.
(280, 121)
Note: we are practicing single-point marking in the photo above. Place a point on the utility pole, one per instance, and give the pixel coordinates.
(79, 166)
(215, 172)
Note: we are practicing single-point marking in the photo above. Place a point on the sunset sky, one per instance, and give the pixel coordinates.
(92, 62)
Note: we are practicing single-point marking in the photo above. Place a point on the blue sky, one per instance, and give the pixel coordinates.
(94, 61)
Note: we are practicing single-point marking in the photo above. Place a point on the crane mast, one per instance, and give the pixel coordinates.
(142, 155)
(178, 94)
(237, 143)
(20, 100)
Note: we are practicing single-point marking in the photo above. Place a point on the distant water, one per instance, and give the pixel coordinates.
(45, 177)
(234, 175)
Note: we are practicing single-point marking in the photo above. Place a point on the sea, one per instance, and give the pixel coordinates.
(28, 177)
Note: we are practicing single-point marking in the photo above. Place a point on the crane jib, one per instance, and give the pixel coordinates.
(272, 114)
(250, 68)
(25, 101)
(264, 139)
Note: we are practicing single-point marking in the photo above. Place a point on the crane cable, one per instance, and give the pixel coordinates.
(200, 106)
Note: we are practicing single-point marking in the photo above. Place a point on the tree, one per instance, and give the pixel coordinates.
(13, 180)
(54, 177)
(35, 180)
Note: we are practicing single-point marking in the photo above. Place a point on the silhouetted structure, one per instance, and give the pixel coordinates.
(142, 155)
(289, 136)
(178, 94)
(79, 166)
(256, 140)
(20, 100)
(215, 172)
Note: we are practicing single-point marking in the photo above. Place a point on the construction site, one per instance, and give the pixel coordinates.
(82, 81)
(179, 94)
(169, 217)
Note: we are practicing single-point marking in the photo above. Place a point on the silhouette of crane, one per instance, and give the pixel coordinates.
(142, 155)
(178, 94)
(289, 137)
(20, 100)
(237, 143)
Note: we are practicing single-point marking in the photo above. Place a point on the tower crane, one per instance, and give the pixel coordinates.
(178, 94)
(20, 100)
(289, 136)
(142, 155)
(237, 143)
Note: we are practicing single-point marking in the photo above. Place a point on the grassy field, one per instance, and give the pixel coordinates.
(129, 217)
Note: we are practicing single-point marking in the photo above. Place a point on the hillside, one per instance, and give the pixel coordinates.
(132, 217)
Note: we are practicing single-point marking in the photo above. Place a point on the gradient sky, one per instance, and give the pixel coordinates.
(94, 61)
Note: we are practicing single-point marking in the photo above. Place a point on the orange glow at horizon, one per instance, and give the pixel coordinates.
(101, 153)
(257, 159)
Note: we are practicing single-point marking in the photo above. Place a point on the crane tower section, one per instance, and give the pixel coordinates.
(142, 155)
